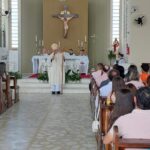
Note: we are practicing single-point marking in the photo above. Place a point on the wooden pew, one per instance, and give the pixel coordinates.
(93, 93)
(6, 85)
(9, 88)
(15, 89)
(104, 117)
(1, 97)
(104, 114)
(121, 143)
(7, 91)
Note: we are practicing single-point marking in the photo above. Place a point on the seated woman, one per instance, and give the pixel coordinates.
(136, 123)
(117, 84)
(120, 69)
(100, 75)
(134, 78)
(106, 88)
(130, 70)
(132, 88)
(123, 105)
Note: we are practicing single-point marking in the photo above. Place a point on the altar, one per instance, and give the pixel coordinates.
(42, 63)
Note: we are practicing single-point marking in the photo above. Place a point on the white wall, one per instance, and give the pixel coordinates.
(31, 25)
(140, 36)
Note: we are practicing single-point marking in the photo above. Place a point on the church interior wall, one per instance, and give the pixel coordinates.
(32, 25)
(53, 28)
(99, 29)
(140, 35)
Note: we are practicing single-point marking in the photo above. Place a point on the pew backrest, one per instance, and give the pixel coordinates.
(123, 143)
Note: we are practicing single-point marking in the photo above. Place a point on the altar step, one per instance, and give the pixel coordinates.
(36, 86)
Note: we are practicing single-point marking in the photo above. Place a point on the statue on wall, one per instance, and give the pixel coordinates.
(65, 16)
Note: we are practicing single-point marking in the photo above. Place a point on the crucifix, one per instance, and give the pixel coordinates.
(65, 16)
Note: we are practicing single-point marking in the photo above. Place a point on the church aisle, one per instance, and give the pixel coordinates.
(44, 122)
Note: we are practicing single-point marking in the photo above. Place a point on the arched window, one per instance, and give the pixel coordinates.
(14, 24)
(115, 20)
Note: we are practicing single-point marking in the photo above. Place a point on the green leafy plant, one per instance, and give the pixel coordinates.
(17, 75)
(72, 76)
(43, 76)
(111, 56)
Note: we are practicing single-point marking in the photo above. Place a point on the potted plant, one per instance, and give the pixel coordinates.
(43, 76)
(17, 75)
(111, 56)
(72, 76)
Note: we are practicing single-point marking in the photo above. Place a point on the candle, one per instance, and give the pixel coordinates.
(42, 43)
(85, 38)
(39, 42)
(36, 38)
(78, 42)
(59, 44)
(82, 44)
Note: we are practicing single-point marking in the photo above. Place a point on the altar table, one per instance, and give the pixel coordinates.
(42, 63)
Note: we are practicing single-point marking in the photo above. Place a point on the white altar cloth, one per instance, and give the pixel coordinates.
(42, 63)
(75, 63)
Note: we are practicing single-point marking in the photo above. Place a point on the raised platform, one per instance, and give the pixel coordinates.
(35, 86)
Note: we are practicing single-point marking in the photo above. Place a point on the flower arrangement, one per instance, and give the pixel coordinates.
(70, 75)
(43, 76)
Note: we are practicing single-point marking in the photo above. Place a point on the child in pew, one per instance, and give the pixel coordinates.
(145, 72)
(148, 81)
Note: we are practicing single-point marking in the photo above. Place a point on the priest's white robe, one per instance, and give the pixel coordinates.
(57, 73)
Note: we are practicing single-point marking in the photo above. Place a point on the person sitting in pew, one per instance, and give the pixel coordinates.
(120, 69)
(132, 88)
(106, 88)
(131, 69)
(100, 75)
(136, 123)
(123, 105)
(134, 78)
(148, 81)
(117, 84)
(145, 72)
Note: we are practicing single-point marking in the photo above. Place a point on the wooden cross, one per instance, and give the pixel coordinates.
(65, 16)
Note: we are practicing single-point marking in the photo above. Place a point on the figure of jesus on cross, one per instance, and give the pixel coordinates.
(65, 16)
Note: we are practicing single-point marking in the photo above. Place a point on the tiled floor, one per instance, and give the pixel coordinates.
(45, 122)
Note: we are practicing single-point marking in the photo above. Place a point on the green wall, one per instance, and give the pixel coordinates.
(99, 16)
(31, 25)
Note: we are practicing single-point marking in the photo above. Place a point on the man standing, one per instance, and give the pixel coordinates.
(57, 69)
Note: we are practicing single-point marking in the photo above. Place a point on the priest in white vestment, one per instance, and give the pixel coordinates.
(57, 70)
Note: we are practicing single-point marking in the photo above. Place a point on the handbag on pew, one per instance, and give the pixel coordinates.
(96, 124)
